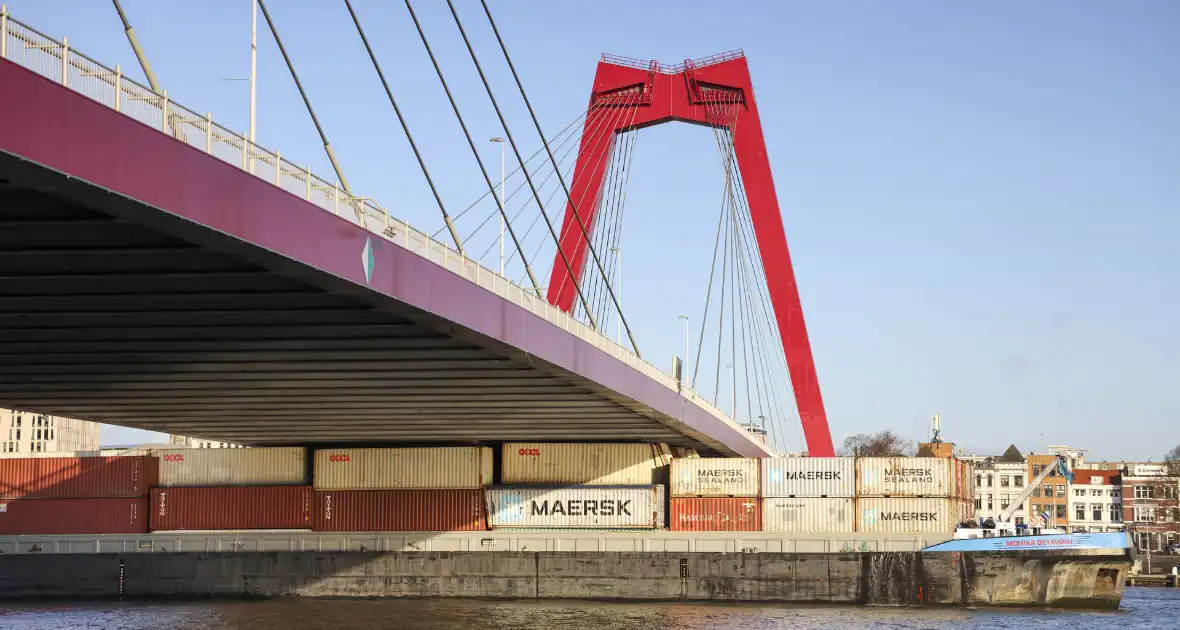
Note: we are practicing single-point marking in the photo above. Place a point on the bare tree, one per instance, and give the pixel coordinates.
(1173, 456)
(881, 444)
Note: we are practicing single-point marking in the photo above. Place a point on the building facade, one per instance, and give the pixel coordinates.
(998, 482)
(1151, 506)
(23, 433)
(193, 442)
(1096, 500)
(1051, 496)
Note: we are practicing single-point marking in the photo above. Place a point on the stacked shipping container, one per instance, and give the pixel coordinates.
(231, 489)
(546, 486)
(580, 486)
(911, 494)
(715, 495)
(401, 489)
(75, 495)
(808, 494)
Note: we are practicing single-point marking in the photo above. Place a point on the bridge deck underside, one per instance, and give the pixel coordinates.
(107, 320)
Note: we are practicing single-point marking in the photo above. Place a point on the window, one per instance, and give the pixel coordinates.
(1037, 468)
(978, 481)
(1005, 481)
(1144, 513)
(1018, 481)
(1079, 512)
(1036, 491)
(1095, 493)
(1141, 492)
(1048, 491)
(1079, 493)
(1116, 514)
(990, 506)
(1060, 490)
(989, 480)
(1096, 511)
(1060, 511)
(978, 503)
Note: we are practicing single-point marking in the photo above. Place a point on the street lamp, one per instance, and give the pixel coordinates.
(732, 392)
(500, 141)
(617, 282)
(685, 318)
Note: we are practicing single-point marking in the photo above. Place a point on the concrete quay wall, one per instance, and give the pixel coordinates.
(904, 578)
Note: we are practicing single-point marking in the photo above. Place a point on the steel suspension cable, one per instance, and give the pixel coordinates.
(721, 311)
(606, 121)
(307, 102)
(708, 292)
(617, 116)
(560, 179)
(514, 171)
(484, 171)
(607, 220)
(406, 128)
(615, 232)
(525, 205)
(516, 151)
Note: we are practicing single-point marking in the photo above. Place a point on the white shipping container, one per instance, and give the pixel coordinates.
(809, 477)
(576, 507)
(904, 477)
(909, 515)
(804, 515)
(399, 468)
(714, 477)
(624, 464)
(276, 466)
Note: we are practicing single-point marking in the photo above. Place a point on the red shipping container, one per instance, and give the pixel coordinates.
(231, 507)
(74, 516)
(720, 514)
(400, 510)
(77, 477)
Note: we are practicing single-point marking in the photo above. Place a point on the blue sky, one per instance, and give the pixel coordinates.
(982, 201)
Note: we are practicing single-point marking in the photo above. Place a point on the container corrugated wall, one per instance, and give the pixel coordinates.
(576, 507)
(77, 477)
(277, 466)
(231, 507)
(715, 514)
(400, 510)
(809, 477)
(715, 477)
(908, 515)
(626, 464)
(804, 515)
(904, 477)
(402, 468)
(74, 516)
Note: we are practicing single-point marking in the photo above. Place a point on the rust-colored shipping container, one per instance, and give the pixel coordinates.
(74, 516)
(231, 507)
(709, 514)
(400, 510)
(77, 477)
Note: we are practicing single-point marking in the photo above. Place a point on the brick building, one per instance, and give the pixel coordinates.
(1151, 505)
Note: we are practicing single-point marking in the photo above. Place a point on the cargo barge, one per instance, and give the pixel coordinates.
(630, 521)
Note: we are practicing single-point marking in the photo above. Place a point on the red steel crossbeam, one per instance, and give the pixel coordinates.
(684, 94)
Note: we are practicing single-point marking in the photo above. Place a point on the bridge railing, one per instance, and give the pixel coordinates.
(57, 61)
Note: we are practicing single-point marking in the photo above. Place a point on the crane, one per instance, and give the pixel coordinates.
(1002, 525)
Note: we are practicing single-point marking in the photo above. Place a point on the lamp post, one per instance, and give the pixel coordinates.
(685, 318)
(253, 65)
(732, 392)
(500, 141)
(617, 283)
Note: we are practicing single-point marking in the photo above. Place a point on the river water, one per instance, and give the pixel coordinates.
(1142, 608)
